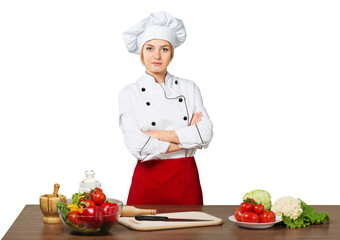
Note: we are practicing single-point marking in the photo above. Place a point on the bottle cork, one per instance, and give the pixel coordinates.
(131, 211)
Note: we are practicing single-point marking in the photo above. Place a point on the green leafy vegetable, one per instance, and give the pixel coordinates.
(75, 197)
(63, 210)
(308, 217)
(260, 197)
(80, 229)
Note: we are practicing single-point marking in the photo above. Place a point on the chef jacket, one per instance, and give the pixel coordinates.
(147, 105)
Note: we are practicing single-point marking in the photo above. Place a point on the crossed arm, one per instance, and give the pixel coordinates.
(171, 136)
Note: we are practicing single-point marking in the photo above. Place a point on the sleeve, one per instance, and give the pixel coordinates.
(140, 145)
(199, 135)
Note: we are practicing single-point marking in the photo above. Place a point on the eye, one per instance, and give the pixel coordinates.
(165, 49)
(149, 48)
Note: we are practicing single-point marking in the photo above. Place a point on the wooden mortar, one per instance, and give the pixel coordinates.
(48, 205)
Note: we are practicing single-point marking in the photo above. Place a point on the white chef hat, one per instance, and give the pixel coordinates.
(158, 25)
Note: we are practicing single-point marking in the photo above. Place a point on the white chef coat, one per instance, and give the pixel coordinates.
(147, 105)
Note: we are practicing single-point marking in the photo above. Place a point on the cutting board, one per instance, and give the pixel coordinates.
(158, 225)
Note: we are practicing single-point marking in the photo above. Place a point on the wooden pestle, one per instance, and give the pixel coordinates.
(56, 189)
(131, 211)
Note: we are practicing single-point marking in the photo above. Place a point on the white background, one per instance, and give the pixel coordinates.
(268, 72)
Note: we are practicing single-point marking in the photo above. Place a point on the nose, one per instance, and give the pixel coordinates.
(157, 54)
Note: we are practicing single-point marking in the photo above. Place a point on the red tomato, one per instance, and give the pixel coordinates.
(268, 216)
(258, 209)
(250, 200)
(238, 214)
(74, 218)
(250, 217)
(246, 207)
(99, 198)
(83, 197)
(93, 191)
(90, 203)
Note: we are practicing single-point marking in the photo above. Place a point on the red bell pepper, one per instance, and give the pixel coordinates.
(92, 217)
(110, 211)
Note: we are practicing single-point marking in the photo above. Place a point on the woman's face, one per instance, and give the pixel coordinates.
(157, 55)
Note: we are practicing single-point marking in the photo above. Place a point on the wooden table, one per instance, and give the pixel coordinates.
(29, 225)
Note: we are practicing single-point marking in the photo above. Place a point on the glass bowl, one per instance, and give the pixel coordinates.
(94, 221)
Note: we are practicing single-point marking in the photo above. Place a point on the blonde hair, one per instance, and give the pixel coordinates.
(142, 57)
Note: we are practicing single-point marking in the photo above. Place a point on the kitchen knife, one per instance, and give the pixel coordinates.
(163, 218)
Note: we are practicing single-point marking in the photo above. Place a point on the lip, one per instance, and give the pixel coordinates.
(156, 63)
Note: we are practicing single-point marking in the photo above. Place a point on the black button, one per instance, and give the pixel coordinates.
(180, 100)
(176, 82)
(143, 89)
(147, 103)
(153, 124)
(185, 118)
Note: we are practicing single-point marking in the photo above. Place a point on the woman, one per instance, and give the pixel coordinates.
(162, 118)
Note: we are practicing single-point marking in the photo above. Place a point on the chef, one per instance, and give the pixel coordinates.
(162, 118)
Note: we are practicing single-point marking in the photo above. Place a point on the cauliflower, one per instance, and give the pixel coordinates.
(288, 206)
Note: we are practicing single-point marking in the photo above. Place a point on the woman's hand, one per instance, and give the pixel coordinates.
(173, 148)
(154, 133)
(196, 118)
(164, 135)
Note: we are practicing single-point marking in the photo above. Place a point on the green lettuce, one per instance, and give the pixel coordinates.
(260, 197)
(308, 217)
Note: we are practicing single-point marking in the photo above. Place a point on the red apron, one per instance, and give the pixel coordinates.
(166, 182)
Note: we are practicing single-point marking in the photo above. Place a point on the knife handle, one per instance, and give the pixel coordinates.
(151, 218)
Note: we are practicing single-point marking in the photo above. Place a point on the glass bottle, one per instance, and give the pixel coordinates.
(89, 183)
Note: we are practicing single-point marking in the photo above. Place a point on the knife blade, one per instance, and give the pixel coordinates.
(163, 218)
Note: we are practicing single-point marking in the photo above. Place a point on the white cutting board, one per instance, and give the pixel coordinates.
(158, 225)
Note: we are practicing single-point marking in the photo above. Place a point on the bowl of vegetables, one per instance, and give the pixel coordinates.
(90, 213)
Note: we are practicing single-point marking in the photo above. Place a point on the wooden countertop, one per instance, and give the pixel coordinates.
(29, 225)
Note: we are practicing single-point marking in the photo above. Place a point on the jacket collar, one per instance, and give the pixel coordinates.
(149, 79)
(170, 86)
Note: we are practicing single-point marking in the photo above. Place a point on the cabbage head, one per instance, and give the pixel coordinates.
(260, 197)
